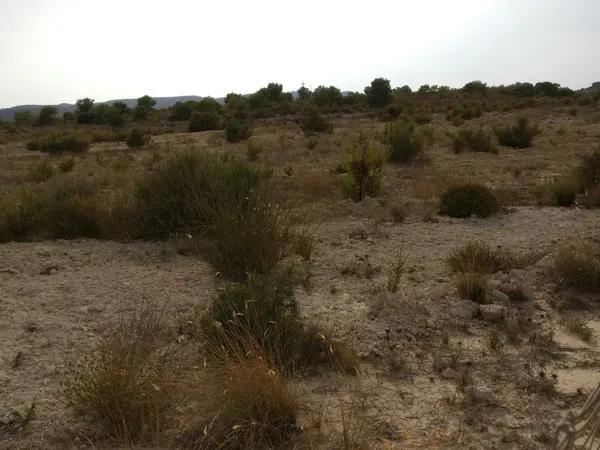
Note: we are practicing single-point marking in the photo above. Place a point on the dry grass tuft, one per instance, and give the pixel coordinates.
(578, 327)
(578, 266)
(473, 286)
(479, 257)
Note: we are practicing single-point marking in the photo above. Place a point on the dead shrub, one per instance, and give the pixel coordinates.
(473, 286)
(578, 327)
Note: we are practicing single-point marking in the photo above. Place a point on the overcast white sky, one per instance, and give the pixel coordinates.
(54, 51)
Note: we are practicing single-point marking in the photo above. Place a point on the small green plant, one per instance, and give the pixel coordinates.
(519, 135)
(464, 200)
(406, 141)
(43, 171)
(237, 129)
(363, 168)
(476, 139)
(137, 138)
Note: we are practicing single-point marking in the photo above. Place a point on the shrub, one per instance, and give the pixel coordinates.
(405, 139)
(473, 286)
(46, 116)
(250, 235)
(176, 197)
(67, 165)
(241, 404)
(363, 172)
(578, 266)
(312, 121)
(253, 150)
(204, 121)
(126, 383)
(468, 199)
(136, 138)
(589, 170)
(563, 193)
(43, 171)
(237, 129)
(480, 139)
(519, 135)
(60, 142)
(479, 257)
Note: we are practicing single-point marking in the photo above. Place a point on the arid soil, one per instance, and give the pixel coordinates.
(419, 347)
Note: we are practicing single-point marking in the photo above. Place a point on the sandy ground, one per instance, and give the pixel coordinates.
(59, 297)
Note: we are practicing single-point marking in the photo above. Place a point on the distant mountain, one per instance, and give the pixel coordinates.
(161, 103)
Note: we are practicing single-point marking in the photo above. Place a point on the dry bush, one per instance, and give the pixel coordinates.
(561, 192)
(578, 327)
(395, 269)
(473, 286)
(479, 257)
(239, 404)
(578, 266)
(42, 171)
(127, 383)
(518, 135)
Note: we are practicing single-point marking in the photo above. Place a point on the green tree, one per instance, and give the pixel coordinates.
(46, 116)
(379, 94)
(144, 106)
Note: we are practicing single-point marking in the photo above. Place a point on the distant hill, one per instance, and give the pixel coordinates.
(161, 103)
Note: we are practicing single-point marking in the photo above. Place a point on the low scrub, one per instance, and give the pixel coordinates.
(60, 143)
(137, 138)
(42, 171)
(578, 266)
(481, 258)
(126, 384)
(362, 168)
(519, 135)
(406, 141)
(465, 200)
(589, 170)
(313, 121)
(475, 139)
(238, 129)
(204, 121)
(177, 196)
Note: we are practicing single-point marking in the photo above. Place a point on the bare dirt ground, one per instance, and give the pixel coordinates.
(417, 346)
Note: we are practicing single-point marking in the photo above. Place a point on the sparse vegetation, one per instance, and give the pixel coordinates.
(578, 327)
(465, 200)
(406, 141)
(137, 139)
(60, 143)
(479, 257)
(578, 266)
(313, 121)
(204, 121)
(473, 286)
(237, 130)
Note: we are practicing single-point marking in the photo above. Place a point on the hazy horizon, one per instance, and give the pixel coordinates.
(58, 51)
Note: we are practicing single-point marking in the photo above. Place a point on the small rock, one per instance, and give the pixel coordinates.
(481, 395)
(465, 309)
(449, 373)
(492, 313)
(499, 296)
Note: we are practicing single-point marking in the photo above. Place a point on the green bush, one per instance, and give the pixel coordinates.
(468, 199)
(312, 121)
(136, 138)
(379, 93)
(237, 129)
(176, 197)
(60, 142)
(479, 139)
(406, 140)
(204, 121)
(519, 135)
(253, 150)
(363, 168)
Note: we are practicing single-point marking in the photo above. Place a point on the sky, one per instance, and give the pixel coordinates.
(54, 51)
